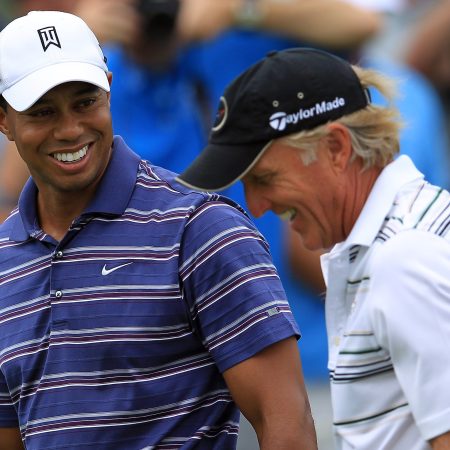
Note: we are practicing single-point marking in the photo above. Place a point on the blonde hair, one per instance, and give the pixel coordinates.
(374, 130)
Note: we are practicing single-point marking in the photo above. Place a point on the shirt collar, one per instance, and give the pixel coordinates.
(111, 198)
(377, 206)
(379, 202)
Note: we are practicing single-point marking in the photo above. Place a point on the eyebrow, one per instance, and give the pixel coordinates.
(255, 177)
(262, 173)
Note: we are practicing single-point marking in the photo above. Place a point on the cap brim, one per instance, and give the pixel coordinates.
(219, 166)
(27, 91)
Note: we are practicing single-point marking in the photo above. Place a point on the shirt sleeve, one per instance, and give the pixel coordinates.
(235, 298)
(410, 310)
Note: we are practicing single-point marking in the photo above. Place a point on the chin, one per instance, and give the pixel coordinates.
(309, 240)
(314, 246)
(311, 244)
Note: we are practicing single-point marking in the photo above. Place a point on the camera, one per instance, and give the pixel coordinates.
(159, 18)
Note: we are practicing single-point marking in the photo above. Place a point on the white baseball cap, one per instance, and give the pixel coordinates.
(44, 49)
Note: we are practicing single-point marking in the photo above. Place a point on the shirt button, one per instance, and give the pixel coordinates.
(58, 294)
(59, 254)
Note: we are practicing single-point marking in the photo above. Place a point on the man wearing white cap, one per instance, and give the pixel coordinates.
(134, 313)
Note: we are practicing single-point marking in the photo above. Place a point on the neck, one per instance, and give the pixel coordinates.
(360, 185)
(56, 212)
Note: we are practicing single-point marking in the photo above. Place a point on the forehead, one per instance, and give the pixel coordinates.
(66, 91)
(71, 87)
(276, 156)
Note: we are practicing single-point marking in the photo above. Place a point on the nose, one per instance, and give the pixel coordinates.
(257, 204)
(68, 126)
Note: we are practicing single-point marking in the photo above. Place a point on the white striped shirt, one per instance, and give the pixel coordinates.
(388, 317)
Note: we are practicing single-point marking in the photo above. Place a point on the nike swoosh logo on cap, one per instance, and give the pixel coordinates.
(106, 271)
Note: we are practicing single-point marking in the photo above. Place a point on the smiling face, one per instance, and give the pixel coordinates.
(65, 139)
(311, 197)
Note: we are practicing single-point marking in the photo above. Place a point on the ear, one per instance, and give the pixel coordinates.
(4, 128)
(110, 77)
(339, 145)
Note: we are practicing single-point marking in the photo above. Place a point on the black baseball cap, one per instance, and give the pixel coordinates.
(286, 92)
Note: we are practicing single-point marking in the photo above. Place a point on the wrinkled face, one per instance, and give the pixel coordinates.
(64, 138)
(309, 196)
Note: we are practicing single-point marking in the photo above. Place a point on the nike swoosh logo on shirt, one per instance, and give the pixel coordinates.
(106, 271)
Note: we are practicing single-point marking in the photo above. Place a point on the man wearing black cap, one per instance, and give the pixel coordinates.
(300, 131)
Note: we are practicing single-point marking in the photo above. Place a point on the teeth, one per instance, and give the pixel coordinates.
(71, 157)
(288, 215)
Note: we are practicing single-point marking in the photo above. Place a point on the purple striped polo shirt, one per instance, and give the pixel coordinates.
(116, 337)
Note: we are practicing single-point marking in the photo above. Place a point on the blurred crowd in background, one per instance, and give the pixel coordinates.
(171, 60)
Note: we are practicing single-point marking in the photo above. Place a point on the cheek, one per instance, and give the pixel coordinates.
(315, 205)
(29, 141)
(31, 134)
(103, 121)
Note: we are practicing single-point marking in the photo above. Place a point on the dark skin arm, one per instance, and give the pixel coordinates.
(270, 391)
(442, 442)
(10, 439)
